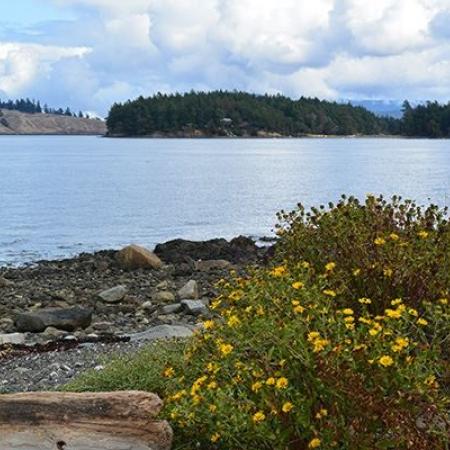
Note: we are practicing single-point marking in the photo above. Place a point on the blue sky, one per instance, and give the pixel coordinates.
(28, 12)
(90, 53)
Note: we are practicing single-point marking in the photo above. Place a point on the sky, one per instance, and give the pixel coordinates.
(88, 54)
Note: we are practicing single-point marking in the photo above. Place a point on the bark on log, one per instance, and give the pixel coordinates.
(91, 421)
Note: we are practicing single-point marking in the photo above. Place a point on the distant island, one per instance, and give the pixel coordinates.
(27, 117)
(240, 114)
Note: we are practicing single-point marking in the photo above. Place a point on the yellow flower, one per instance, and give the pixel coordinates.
(400, 344)
(208, 324)
(396, 301)
(225, 349)
(330, 266)
(394, 237)
(423, 234)
(215, 304)
(375, 330)
(329, 292)
(349, 319)
(305, 264)
(422, 322)
(388, 272)
(356, 272)
(386, 361)
(270, 381)
(282, 383)
(215, 437)
(169, 372)
(347, 311)
(257, 386)
(319, 345)
(233, 321)
(212, 367)
(260, 311)
(259, 417)
(287, 407)
(430, 381)
(364, 320)
(313, 335)
(298, 285)
(299, 309)
(443, 301)
(393, 313)
(365, 301)
(315, 443)
(278, 271)
(212, 385)
(379, 241)
(212, 408)
(322, 413)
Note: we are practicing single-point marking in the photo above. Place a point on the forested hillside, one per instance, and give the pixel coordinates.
(26, 105)
(429, 120)
(241, 114)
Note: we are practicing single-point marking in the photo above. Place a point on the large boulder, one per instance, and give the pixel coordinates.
(238, 250)
(88, 421)
(136, 257)
(67, 319)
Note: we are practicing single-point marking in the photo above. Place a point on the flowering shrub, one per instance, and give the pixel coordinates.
(283, 366)
(325, 350)
(377, 249)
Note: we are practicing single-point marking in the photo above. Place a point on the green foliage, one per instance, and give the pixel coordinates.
(381, 250)
(34, 107)
(298, 356)
(428, 120)
(239, 113)
(283, 367)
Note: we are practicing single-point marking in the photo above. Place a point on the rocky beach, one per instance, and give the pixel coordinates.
(59, 318)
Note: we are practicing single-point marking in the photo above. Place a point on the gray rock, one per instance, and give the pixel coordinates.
(103, 326)
(171, 309)
(194, 307)
(54, 332)
(213, 264)
(7, 325)
(189, 291)
(163, 286)
(4, 283)
(113, 295)
(12, 338)
(162, 332)
(147, 306)
(67, 319)
(164, 297)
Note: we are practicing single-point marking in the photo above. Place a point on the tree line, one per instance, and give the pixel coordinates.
(32, 106)
(244, 114)
(240, 114)
(427, 120)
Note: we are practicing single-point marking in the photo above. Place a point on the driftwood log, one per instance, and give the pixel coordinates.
(91, 421)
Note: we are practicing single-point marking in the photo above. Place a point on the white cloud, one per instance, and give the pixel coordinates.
(21, 64)
(325, 48)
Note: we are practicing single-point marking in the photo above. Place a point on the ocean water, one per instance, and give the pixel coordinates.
(60, 196)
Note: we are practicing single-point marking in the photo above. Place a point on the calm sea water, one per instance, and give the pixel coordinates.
(60, 196)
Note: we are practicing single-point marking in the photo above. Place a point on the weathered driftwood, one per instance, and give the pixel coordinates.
(90, 421)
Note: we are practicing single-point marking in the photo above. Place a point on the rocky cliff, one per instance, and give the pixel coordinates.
(15, 122)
